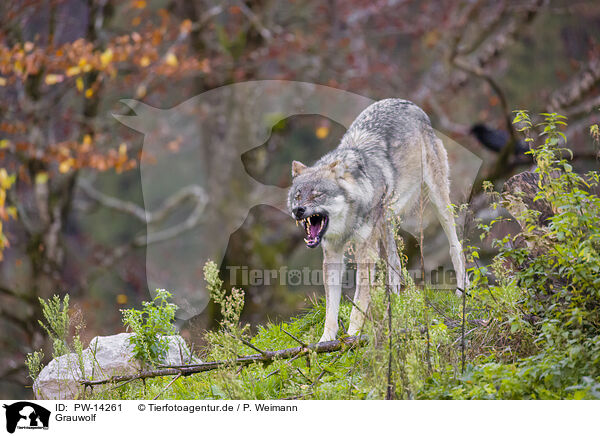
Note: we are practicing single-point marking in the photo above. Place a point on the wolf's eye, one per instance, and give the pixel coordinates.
(297, 196)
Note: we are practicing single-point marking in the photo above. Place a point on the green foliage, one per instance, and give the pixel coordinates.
(151, 325)
(231, 305)
(56, 314)
(563, 280)
(57, 324)
(226, 340)
(33, 361)
(531, 323)
(555, 281)
(350, 373)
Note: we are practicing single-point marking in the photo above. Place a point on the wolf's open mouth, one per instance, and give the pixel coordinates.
(315, 227)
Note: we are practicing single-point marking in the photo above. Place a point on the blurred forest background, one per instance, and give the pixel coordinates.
(65, 64)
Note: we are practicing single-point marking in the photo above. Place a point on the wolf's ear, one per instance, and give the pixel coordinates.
(297, 168)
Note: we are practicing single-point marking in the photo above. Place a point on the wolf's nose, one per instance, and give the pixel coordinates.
(298, 212)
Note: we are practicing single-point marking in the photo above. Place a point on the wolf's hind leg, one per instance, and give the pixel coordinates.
(438, 184)
(365, 275)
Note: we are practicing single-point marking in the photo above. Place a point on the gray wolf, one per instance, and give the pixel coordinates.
(388, 155)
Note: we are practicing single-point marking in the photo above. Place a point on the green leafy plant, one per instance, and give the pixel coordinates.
(226, 342)
(529, 328)
(544, 293)
(563, 279)
(33, 361)
(151, 325)
(56, 314)
(57, 323)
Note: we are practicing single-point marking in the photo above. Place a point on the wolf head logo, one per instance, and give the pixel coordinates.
(26, 414)
(212, 131)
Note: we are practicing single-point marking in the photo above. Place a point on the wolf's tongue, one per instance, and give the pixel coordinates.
(313, 230)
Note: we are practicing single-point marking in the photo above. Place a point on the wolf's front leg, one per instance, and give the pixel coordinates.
(333, 268)
(365, 276)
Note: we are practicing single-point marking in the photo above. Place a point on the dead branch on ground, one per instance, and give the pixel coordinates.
(265, 357)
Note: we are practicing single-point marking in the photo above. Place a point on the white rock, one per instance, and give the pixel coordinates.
(105, 356)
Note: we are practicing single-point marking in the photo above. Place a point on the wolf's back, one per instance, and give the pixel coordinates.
(393, 120)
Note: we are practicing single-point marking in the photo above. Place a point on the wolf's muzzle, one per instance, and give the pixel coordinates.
(298, 212)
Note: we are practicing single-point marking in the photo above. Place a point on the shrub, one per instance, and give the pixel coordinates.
(151, 325)
(555, 273)
(57, 322)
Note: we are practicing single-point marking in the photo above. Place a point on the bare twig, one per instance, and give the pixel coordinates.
(355, 305)
(390, 387)
(167, 386)
(462, 344)
(255, 21)
(305, 376)
(426, 310)
(583, 83)
(249, 344)
(293, 337)
(322, 373)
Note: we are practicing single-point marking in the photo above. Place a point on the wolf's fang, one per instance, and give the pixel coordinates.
(306, 240)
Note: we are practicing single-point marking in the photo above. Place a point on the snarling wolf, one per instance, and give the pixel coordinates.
(388, 155)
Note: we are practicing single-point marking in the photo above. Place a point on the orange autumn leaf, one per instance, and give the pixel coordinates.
(171, 59)
(73, 71)
(52, 79)
(186, 26)
(106, 57)
(66, 165)
(322, 132)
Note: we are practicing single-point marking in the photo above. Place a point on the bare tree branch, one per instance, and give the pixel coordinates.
(445, 122)
(267, 357)
(583, 108)
(581, 84)
(255, 21)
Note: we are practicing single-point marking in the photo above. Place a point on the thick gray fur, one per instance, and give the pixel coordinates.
(389, 153)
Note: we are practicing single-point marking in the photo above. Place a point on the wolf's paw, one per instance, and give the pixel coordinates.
(328, 335)
(353, 330)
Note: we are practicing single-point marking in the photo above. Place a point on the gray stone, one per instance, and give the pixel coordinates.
(105, 356)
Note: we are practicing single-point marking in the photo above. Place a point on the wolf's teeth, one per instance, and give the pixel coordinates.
(306, 240)
(297, 223)
(322, 222)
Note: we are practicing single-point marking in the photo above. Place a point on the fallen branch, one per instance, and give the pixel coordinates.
(266, 357)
